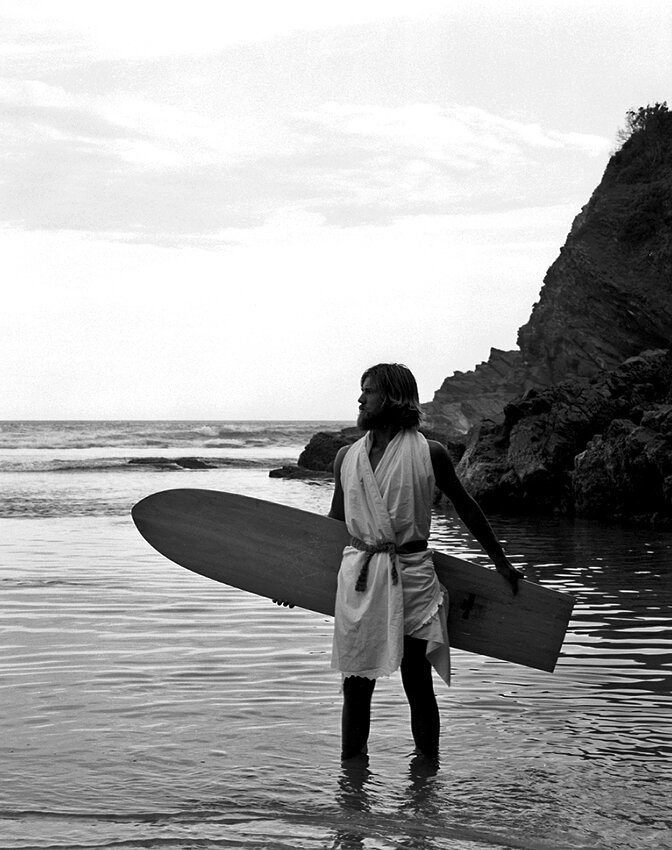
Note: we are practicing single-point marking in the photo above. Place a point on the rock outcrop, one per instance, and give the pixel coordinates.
(466, 398)
(625, 474)
(173, 462)
(317, 459)
(300, 472)
(601, 448)
(607, 297)
(323, 447)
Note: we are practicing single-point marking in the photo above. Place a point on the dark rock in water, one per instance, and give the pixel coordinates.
(626, 473)
(323, 447)
(607, 297)
(483, 467)
(600, 449)
(299, 472)
(172, 462)
(317, 459)
(193, 463)
(149, 461)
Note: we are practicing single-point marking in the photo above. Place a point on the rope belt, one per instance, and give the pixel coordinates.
(392, 550)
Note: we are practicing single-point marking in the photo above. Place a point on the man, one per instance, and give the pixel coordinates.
(390, 611)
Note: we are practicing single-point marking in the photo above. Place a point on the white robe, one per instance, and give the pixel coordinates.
(391, 505)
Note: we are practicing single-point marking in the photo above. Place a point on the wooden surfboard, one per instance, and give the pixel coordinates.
(294, 555)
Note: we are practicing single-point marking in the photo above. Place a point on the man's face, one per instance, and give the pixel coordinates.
(372, 412)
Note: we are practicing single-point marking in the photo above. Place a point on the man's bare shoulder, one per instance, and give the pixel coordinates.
(444, 469)
(437, 450)
(340, 455)
(342, 452)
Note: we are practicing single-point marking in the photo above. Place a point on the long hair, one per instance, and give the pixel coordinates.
(400, 390)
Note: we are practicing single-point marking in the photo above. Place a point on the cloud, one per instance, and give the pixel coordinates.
(122, 121)
(129, 29)
(126, 164)
(189, 149)
(375, 163)
(448, 133)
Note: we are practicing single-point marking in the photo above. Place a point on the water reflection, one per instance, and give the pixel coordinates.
(619, 638)
(353, 799)
(418, 806)
(421, 795)
(615, 671)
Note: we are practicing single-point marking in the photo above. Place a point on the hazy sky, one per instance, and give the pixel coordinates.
(228, 210)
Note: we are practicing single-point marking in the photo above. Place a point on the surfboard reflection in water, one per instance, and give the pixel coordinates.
(144, 706)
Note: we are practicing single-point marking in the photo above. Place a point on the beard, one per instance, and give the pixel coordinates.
(370, 421)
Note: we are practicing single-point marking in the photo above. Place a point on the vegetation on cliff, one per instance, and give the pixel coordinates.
(645, 161)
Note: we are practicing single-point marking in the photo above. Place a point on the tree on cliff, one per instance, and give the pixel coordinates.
(643, 164)
(656, 118)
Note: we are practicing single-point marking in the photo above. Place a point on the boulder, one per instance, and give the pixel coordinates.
(625, 474)
(317, 459)
(298, 472)
(323, 447)
(172, 462)
(559, 448)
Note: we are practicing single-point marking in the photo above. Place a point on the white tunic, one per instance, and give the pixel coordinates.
(389, 506)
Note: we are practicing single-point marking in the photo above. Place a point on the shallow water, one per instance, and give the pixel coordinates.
(144, 706)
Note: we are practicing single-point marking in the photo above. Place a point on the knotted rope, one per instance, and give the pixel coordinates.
(391, 549)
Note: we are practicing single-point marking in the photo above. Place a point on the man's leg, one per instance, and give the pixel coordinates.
(356, 718)
(416, 675)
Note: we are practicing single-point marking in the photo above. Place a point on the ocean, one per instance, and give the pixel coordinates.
(142, 706)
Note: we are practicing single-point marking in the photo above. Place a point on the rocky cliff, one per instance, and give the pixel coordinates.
(582, 420)
(607, 297)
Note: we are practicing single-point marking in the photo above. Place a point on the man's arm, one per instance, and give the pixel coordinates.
(337, 510)
(469, 511)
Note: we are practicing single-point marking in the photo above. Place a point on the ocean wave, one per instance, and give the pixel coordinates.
(119, 464)
(157, 434)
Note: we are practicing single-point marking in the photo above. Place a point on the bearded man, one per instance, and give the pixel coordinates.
(391, 611)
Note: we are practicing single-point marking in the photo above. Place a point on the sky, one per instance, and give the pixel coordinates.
(219, 210)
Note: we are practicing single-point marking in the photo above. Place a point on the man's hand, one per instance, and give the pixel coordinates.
(283, 603)
(510, 573)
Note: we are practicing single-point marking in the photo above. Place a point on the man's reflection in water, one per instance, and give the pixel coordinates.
(421, 794)
(353, 798)
(418, 806)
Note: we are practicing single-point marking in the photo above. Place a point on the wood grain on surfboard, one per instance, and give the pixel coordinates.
(286, 553)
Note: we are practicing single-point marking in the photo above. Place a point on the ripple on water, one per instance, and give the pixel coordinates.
(144, 705)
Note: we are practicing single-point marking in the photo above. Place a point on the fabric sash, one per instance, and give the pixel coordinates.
(392, 550)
